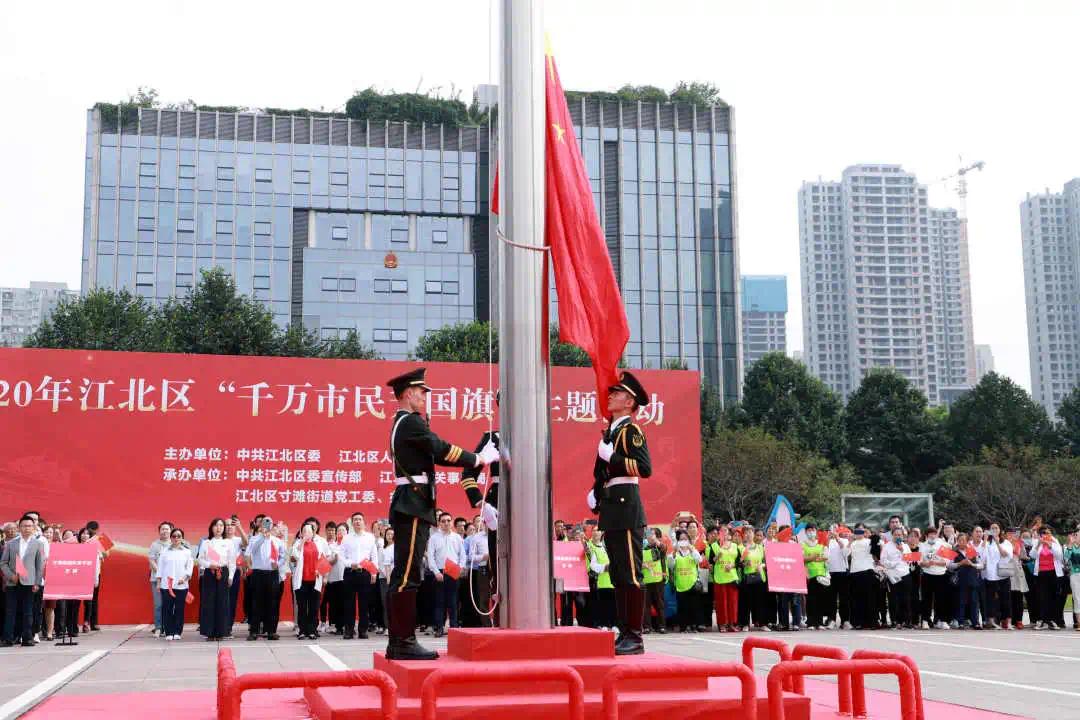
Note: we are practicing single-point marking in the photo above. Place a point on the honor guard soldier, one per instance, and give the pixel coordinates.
(490, 511)
(622, 460)
(415, 451)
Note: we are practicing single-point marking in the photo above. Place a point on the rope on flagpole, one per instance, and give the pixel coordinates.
(506, 240)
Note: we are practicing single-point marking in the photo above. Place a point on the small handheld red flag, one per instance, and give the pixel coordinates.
(452, 569)
(369, 566)
(171, 593)
(273, 551)
(971, 552)
(912, 557)
(323, 568)
(241, 561)
(213, 555)
(784, 535)
(823, 537)
(105, 542)
(189, 598)
(20, 567)
(946, 553)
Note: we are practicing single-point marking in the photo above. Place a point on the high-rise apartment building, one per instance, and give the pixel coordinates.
(1050, 232)
(885, 283)
(23, 309)
(382, 227)
(764, 316)
(984, 361)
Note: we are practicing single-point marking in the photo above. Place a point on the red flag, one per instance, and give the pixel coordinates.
(452, 569)
(189, 598)
(946, 553)
(823, 537)
(20, 567)
(241, 561)
(105, 542)
(212, 555)
(912, 557)
(784, 535)
(370, 567)
(171, 593)
(591, 313)
(273, 551)
(971, 552)
(323, 568)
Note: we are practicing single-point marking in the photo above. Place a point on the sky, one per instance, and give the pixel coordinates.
(816, 87)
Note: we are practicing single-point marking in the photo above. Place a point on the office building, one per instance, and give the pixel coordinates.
(23, 309)
(885, 283)
(764, 316)
(984, 361)
(382, 227)
(1050, 233)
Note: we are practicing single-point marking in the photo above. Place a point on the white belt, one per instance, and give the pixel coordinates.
(417, 479)
(621, 481)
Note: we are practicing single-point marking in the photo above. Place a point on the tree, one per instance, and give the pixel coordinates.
(995, 413)
(823, 496)
(781, 397)
(1069, 414)
(744, 469)
(466, 342)
(696, 93)
(214, 319)
(564, 354)
(712, 411)
(297, 341)
(894, 444)
(100, 320)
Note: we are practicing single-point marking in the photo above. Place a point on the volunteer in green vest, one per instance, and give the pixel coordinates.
(723, 556)
(753, 582)
(603, 602)
(654, 572)
(817, 578)
(683, 566)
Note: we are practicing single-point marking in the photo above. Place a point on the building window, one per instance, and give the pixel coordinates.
(185, 226)
(224, 173)
(439, 236)
(399, 236)
(449, 288)
(261, 282)
(183, 280)
(187, 172)
(399, 286)
(433, 287)
(347, 284)
(339, 178)
(382, 286)
(224, 227)
(264, 175)
(262, 228)
(339, 232)
(146, 223)
(147, 169)
(302, 177)
(385, 334)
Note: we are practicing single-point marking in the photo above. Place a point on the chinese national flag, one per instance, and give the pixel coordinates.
(105, 541)
(240, 561)
(784, 535)
(452, 569)
(273, 552)
(370, 567)
(971, 552)
(171, 593)
(20, 567)
(591, 313)
(947, 553)
(212, 555)
(823, 537)
(323, 567)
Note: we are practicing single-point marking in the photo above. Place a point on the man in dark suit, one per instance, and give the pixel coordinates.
(416, 450)
(23, 567)
(622, 460)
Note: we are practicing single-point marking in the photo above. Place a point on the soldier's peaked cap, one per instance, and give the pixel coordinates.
(407, 380)
(630, 384)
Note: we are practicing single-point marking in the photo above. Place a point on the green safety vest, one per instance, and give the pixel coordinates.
(754, 560)
(603, 580)
(653, 570)
(817, 566)
(685, 572)
(724, 556)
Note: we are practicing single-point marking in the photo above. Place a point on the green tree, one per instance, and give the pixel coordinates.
(781, 397)
(466, 342)
(100, 320)
(696, 93)
(712, 411)
(823, 496)
(744, 469)
(297, 341)
(997, 412)
(214, 319)
(348, 348)
(564, 354)
(1069, 414)
(894, 445)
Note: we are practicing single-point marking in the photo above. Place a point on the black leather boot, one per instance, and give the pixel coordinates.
(631, 642)
(402, 643)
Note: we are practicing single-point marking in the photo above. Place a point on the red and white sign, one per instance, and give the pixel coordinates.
(129, 439)
(70, 571)
(785, 568)
(569, 563)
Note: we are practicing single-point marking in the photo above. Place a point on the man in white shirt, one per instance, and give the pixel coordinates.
(839, 590)
(266, 556)
(359, 553)
(935, 586)
(445, 545)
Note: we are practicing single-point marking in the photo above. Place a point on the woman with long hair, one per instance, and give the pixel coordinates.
(216, 554)
(307, 580)
(175, 566)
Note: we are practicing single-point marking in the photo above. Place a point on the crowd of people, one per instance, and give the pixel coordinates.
(695, 578)
(27, 616)
(856, 578)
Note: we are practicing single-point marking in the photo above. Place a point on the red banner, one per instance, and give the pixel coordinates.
(785, 568)
(132, 439)
(70, 571)
(569, 565)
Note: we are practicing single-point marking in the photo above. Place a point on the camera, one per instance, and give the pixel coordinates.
(267, 523)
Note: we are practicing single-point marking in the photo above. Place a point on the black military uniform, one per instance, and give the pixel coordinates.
(416, 450)
(622, 516)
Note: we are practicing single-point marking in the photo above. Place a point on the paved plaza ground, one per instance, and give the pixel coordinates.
(1025, 673)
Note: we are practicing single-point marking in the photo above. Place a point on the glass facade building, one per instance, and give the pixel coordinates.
(764, 316)
(383, 227)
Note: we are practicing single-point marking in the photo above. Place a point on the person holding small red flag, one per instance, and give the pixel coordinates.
(23, 568)
(265, 557)
(175, 566)
(216, 555)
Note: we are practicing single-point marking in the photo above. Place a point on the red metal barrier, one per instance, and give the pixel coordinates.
(859, 687)
(687, 670)
(764, 643)
(231, 686)
(856, 668)
(488, 674)
(827, 652)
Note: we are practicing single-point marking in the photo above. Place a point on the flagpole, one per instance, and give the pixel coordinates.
(525, 494)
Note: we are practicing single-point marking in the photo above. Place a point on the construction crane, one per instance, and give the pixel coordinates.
(961, 182)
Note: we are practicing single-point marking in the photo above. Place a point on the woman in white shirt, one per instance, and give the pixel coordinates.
(307, 583)
(216, 554)
(335, 582)
(175, 566)
(898, 573)
(864, 581)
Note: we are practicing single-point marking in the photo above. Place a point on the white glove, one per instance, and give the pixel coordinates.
(605, 450)
(488, 455)
(591, 500)
(490, 515)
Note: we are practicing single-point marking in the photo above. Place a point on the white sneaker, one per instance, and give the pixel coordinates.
(925, 625)
(942, 625)
(847, 625)
(832, 625)
(154, 632)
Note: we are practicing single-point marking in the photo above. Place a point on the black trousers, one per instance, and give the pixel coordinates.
(95, 606)
(625, 554)
(172, 611)
(998, 600)
(900, 601)
(410, 542)
(1047, 589)
(754, 596)
(234, 595)
(39, 609)
(688, 608)
(839, 598)
(1017, 599)
(336, 604)
(307, 607)
(481, 594)
(19, 601)
(214, 599)
(935, 598)
(864, 590)
(817, 609)
(249, 592)
(654, 600)
(358, 588)
(265, 602)
(67, 618)
(604, 607)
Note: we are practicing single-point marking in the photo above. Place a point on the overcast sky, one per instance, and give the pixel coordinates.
(816, 86)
